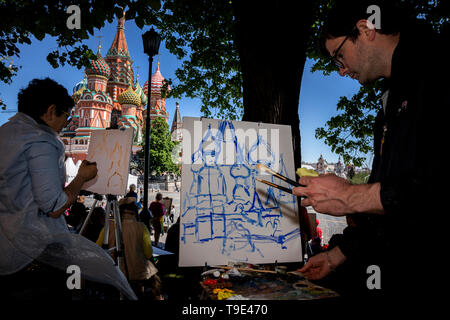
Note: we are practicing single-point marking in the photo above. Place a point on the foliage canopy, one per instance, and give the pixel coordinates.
(202, 34)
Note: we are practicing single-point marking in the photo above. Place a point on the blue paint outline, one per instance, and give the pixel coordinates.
(211, 214)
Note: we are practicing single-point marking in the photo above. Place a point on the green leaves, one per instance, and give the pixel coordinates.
(201, 33)
(204, 30)
(350, 133)
(78, 57)
(2, 105)
(39, 18)
(161, 147)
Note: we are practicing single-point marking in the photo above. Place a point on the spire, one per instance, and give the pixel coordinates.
(137, 74)
(121, 23)
(177, 117)
(176, 122)
(119, 46)
(99, 54)
(99, 45)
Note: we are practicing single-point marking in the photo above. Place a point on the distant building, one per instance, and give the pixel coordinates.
(177, 126)
(339, 169)
(323, 167)
(177, 135)
(108, 97)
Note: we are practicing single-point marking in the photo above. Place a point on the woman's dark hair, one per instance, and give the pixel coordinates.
(159, 196)
(40, 94)
(341, 19)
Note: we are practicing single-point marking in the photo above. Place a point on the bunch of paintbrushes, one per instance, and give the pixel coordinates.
(262, 167)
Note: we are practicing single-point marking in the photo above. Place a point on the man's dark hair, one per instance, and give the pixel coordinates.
(132, 207)
(40, 94)
(128, 206)
(341, 19)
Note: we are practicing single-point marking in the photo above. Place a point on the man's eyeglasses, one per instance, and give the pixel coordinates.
(334, 58)
(69, 115)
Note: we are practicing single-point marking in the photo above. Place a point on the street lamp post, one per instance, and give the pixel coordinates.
(151, 41)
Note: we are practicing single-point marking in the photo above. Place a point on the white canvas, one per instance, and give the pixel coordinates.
(226, 215)
(111, 150)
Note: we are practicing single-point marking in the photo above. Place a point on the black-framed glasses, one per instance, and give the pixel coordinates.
(334, 58)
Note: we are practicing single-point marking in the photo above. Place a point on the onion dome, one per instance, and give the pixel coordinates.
(157, 82)
(144, 98)
(129, 96)
(138, 89)
(141, 93)
(78, 91)
(78, 86)
(98, 67)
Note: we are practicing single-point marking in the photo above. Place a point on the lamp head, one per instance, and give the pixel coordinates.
(151, 40)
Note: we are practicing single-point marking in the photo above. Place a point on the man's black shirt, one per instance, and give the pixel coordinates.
(408, 143)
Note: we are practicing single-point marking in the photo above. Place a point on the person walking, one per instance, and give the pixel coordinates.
(157, 210)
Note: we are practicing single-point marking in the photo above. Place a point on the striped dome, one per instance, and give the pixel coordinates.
(141, 94)
(129, 97)
(157, 82)
(98, 67)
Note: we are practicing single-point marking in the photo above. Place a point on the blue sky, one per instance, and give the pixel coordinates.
(318, 97)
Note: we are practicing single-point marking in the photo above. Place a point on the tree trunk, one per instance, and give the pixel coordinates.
(271, 37)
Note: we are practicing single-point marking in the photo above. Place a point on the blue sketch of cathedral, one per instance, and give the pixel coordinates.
(222, 205)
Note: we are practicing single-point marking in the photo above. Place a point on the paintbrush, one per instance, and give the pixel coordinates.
(262, 167)
(275, 185)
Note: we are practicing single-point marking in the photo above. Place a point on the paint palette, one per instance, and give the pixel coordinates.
(264, 285)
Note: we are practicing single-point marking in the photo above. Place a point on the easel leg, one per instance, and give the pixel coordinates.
(119, 240)
(86, 221)
(107, 219)
(120, 247)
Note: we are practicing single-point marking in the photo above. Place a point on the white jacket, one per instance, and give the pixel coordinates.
(32, 176)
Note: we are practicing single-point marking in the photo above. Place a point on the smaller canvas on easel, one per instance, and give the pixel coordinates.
(111, 150)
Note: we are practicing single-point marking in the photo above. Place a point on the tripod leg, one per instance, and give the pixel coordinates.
(119, 239)
(117, 226)
(88, 217)
(106, 234)
(120, 248)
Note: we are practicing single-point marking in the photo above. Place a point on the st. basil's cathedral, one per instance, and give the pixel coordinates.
(108, 96)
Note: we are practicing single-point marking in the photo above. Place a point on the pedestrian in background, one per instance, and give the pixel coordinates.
(157, 210)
